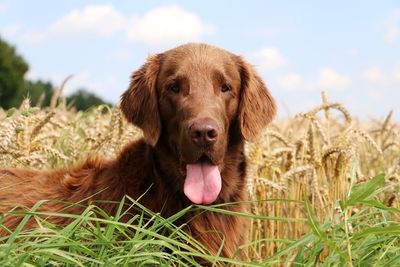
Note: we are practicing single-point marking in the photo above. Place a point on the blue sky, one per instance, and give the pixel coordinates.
(349, 48)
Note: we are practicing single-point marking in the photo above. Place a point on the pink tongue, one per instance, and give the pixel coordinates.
(203, 182)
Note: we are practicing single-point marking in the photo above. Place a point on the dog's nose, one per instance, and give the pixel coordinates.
(204, 132)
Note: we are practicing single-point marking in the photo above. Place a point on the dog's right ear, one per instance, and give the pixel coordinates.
(140, 102)
(257, 107)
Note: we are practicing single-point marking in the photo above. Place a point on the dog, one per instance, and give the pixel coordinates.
(196, 105)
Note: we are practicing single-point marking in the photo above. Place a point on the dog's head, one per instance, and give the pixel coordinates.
(195, 95)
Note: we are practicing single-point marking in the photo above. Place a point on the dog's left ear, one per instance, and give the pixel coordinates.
(257, 107)
(140, 102)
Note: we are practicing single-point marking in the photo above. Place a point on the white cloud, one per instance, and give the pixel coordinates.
(10, 30)
(100, 20)
(279, 71)
(396, 73)
(388, 77)
(290, 81)
(31, 75)
(3, 8)
(163, 25)
(352, 52)
(121, 55)
(167, 25)
(391, 35)
(270, 58)
(332, 80)
(392, 27)
(33, 37)
(373, 75)
(92, 20)
(376, 96)
(326, 79)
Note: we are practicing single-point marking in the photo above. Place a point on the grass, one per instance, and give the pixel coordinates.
(324, 190)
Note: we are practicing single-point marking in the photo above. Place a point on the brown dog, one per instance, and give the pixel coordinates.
(196, 104)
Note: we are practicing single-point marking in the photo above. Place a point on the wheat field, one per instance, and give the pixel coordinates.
(313, 179)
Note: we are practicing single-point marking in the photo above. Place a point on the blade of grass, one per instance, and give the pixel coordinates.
(363, 191)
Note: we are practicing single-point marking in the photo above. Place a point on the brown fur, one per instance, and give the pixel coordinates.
(166, 96)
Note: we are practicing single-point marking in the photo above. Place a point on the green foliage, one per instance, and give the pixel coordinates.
(12, 70)
(82, 100)
(39, 92)
(363, 236)
(367, 236)
(95, 238)
(362, 191)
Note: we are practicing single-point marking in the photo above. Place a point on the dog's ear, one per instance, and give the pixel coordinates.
(140, 102)
(257, 107)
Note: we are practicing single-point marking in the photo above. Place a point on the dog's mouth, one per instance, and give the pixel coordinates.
(203, 181)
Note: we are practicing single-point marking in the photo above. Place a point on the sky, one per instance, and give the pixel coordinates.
(351, 49)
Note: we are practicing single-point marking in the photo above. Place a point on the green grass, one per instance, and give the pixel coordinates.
(360, 231)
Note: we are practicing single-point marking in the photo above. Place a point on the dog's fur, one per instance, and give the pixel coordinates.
(194, 84)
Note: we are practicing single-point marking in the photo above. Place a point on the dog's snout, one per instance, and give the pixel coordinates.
(204, 132)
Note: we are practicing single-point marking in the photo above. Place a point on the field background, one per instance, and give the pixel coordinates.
(324, 190)
(323, 181)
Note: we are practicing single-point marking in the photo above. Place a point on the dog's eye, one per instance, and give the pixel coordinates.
(174, 88)
(225, 88)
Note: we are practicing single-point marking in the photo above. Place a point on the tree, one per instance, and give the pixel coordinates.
(38, 91)
(12, 70)
(83, 100)
(13, 87)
